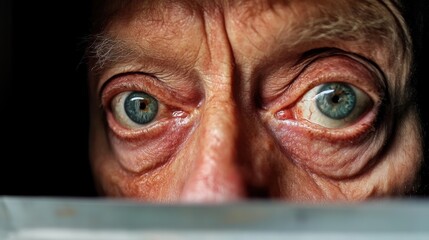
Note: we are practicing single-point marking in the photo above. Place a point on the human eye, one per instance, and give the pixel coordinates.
(144, 113)
(329, 113)
(335, 97)
(334, 104)
(137, 106)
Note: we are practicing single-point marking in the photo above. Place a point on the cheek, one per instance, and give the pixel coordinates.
(143, 170)
(154, 186)
(400, 163)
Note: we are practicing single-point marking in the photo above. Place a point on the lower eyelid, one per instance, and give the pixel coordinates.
(286, 120)
(135, 149)
(332, 153)
(152, 130)
(348, 134)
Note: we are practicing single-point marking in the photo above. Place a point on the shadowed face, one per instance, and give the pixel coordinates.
(213, 101)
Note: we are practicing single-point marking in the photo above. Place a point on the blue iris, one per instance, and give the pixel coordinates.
(336, 100)
(140, 107)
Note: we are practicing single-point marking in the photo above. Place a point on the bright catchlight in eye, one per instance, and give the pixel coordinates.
(334, 105)
(134, 109)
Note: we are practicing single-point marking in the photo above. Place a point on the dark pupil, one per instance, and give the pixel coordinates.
(143, 104)
(335, 99)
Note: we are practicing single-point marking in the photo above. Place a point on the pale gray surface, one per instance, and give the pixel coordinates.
(78, 219)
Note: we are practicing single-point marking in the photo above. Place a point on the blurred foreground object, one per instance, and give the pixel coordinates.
(66, 218)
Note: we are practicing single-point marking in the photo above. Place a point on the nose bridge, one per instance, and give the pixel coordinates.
(215, 175)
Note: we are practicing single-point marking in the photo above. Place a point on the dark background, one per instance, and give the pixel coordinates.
(44, 119)
(44, 99)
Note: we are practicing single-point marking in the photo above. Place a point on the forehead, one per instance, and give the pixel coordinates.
(298, 21)
(264, 21)
(302, 20)
(158, 11)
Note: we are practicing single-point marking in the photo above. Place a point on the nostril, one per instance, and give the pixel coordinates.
(258, 193)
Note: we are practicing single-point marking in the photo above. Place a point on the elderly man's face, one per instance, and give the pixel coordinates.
(225, 100)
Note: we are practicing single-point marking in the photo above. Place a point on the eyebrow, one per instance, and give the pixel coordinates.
(105, 51)
(366, 21)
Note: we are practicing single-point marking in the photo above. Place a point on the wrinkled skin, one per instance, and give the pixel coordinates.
(236, 119)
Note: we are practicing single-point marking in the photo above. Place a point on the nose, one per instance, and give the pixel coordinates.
(215, 174)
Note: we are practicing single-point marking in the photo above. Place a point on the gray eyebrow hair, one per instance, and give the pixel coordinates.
(105, 51)
(365, 21)
(339, 27)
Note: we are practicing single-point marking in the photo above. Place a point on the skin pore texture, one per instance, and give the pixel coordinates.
(236, 85)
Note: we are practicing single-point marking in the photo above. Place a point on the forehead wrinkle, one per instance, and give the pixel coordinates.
(107, 12)
(346, 22)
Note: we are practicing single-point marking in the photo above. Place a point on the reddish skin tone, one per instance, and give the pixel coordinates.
(229, 127)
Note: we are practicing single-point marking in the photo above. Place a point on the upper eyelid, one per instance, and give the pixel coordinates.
(152, 85)
(107, 94)
(380, 80)
(315, 54)
(119, 75)
(293, 72)
(135, 81)
(307, 76)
